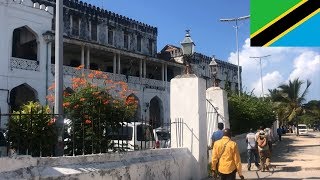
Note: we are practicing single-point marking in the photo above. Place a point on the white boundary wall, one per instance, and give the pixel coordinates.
(138, 165)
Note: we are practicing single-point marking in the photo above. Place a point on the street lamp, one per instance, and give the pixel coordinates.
(237, 43)
(48, 38)
(214, 71)
(187, 50)
(260, 57)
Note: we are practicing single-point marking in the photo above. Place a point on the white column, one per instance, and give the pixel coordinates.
(119, 67)
(90, 29)
(144, 68)
(88, 58)
(48, 70)
(71, 24)
(114, 63)
(218, 97)
(49, 56)
(190, 121)
(166, 73)
(140, 69)
(82, 55)
(162, 72)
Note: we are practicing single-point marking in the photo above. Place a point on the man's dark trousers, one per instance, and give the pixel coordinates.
(252, 154)
(279, 137)
(231, 176)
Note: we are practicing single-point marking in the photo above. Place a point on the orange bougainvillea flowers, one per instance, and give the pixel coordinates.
(87, 121)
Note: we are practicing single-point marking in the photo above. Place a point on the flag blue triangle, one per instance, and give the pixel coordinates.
(307, 34)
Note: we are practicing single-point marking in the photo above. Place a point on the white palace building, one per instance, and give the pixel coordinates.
(123, 48)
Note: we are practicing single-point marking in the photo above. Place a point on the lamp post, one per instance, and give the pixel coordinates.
(214, 71)
(188, 50)
(260, 57)
(48, 38)
(58, 93)
(237, 43)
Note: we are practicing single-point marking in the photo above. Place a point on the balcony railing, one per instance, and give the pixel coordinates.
(134, 80)
(150, 83)
(25, 64)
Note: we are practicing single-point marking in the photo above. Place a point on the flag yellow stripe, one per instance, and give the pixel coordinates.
(278, 18)
(291, 28)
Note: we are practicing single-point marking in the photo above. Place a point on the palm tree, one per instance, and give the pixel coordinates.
(288, 99)
(293, 97)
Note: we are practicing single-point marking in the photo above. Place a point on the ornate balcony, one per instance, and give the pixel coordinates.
(149, 83)
(134, 80)
(25, 64)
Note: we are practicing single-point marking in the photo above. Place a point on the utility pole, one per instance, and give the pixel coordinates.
(58, 77)
(237, 43)
(260, 58)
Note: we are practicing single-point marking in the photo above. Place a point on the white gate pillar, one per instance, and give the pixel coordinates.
(188, 118)
(218, 97)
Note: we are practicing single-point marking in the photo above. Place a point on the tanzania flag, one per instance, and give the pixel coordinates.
(285, 23)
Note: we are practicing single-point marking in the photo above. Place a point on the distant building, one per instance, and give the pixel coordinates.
(125, 49)
(227, 72)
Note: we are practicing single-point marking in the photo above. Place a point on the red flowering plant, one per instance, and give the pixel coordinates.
(95, 104)
(31, 130)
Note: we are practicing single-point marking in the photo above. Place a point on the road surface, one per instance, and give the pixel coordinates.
(293, 158)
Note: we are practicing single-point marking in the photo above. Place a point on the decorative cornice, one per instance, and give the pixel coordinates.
(98, 12)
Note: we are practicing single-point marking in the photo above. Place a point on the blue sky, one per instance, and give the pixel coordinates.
(213, 37)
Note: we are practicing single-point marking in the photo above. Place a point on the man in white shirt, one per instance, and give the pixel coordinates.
(252, 151)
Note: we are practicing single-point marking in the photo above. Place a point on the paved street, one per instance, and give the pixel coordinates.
(293, 158)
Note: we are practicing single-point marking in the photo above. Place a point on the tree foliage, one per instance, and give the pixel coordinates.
(247, 111)
(312, 113)
(288, 100)
(94, 110)
(93, 107)
(31, 130)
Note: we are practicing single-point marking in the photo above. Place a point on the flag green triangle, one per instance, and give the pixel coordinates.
(264, 11)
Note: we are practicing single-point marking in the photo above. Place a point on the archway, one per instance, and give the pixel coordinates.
(137, 114)
(24, 44)
(22, 94)
(156, 112)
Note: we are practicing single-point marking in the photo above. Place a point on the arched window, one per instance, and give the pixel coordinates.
(137, 114)
(22, 94)
(24, 44)
(156, 112)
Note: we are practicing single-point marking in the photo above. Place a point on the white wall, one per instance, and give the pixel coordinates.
(188, 112)
(139, 165)
(15, 14)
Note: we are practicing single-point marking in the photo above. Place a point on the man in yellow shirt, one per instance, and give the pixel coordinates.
(225, 153)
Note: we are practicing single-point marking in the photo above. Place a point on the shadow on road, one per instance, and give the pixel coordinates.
(279, 151)
(288, 169)
(280, 178)
(289, 157)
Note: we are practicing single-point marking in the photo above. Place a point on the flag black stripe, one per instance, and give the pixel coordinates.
(285, 23)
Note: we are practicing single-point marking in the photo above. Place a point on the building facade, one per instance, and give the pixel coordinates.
(227, 75)
(124, 49)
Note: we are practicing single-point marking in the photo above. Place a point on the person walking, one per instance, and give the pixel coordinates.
(258, 131)
(264, 151)
(252, 150)
(269, 137)
(279, 132)
(217, 134)
(226, 160)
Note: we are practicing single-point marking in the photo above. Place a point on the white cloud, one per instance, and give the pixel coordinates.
(305, 65)
(270, 81)
(283, 64)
